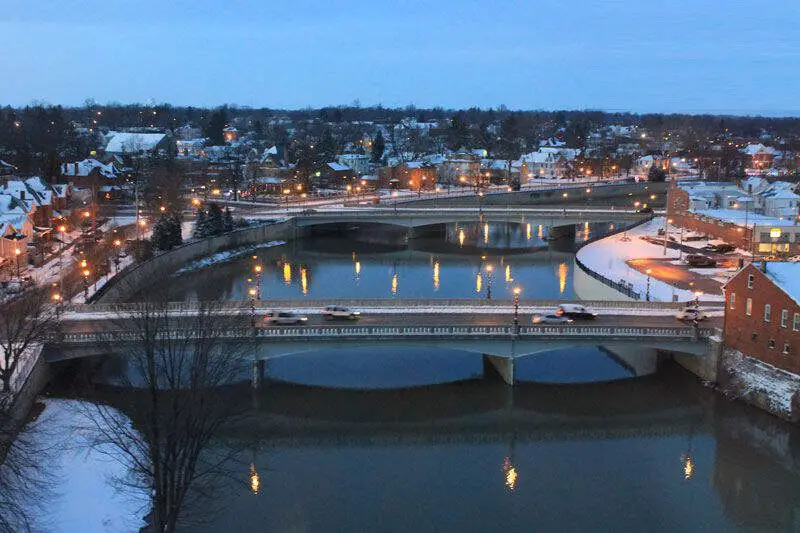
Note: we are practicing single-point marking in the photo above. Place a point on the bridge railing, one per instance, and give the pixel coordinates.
(390, 303)
(394, 332)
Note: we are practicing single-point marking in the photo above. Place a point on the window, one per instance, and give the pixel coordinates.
(748, 307)
(796, 322)
(750, 279)
(784, 318)
(732, 300)
(771, 344)
(767, 312)
(786, 348)
(754, 336)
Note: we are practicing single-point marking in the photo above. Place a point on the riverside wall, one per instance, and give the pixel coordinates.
(132, 279)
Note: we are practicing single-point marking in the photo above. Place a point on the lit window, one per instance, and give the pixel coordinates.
(786, 348)
(748, 307)
(771, 344)
(784, 318)
(750, 278)
(732, 300)
(767, 312)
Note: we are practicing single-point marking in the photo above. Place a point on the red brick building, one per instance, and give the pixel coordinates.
(762, 314)
(413, 175)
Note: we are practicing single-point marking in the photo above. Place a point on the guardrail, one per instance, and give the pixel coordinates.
(399, 303)
(390, 332)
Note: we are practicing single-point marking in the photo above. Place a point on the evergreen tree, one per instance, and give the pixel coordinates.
(200, 225)
(161, 238)
(227, 220)
(175, 234)
(215, 223)
(656, 173)
(378, 147)
(213, 129)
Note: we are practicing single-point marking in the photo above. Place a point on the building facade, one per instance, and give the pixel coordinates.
(762, 314)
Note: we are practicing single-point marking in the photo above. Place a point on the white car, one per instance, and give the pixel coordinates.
(550, 319)
(690, 314)
(283, 318)
(333, 312)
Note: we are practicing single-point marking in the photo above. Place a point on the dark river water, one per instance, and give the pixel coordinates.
(467, 260)
(399, 439)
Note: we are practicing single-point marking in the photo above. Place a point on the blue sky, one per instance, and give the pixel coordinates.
(646, 55)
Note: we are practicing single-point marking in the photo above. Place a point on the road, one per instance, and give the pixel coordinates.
(408, 320)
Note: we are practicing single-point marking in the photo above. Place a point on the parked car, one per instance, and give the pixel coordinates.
(575, 311)
(550, 319)
(690, 313)
(283, 318)
(333, 312)
(700, 261)
(645, 210)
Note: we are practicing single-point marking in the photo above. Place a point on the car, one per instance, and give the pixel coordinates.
(283, 318)
(575, 311)
(724, 248)
(333, 312)
(690, 313)
(700, 261)
(550, 319)
(308, 211)
(645, 211)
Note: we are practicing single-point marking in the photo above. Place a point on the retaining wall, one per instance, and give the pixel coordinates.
(132, 279)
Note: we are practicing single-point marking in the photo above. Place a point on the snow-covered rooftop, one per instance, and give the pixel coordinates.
(786, 275)
(742, 217)
(339, 167)
(123, 142)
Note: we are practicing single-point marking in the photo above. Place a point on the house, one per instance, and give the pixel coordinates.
(762, 313)
(267, 185)
(334, 176)
(128, 143)
(230, 134)
(360, 163)
(16, 230)
(35, 196)
(761, 157)
(414, 175)
(460, 169)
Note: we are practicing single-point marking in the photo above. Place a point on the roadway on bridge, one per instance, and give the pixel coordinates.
(401, 320)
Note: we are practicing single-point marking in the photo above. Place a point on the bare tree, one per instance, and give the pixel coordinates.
(24, 323)
(182, 363)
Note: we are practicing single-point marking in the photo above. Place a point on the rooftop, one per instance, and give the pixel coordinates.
(742, 217)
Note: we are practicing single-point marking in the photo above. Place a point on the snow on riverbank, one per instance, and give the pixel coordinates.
(222, 257)
(608, 257)
(754, 380)
(84, 498)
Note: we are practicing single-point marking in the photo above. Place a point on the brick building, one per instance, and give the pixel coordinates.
(412, 175)
(762, 314)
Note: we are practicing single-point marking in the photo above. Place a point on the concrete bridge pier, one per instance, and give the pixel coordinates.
(500, 366)
(257, 373)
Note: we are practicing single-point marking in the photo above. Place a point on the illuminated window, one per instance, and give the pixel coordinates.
(732, 300)
(748, 307)
(784, 318)
(750, 281)
(767, 312)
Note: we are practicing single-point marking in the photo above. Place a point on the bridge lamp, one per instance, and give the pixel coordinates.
(489, 270)
(564, 195)
(647, 292)
(588, 190)
(517, 291)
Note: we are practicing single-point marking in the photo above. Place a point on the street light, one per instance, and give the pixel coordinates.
(86, 273)
(517, 292)
(17, 253)
(489, 270)
(252, 293)
(257, 269)
(647, 293)
(117, 245)
(56, 298)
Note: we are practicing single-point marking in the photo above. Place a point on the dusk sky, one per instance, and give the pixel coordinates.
(717, 56)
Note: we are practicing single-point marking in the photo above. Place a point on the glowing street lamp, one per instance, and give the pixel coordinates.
(517, 291)
(489, 271)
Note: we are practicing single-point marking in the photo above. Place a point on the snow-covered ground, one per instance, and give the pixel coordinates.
(222, 257)
(82, 495)
(608, 257)
(756, 378)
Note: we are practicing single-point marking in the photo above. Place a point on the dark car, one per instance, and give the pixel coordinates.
(724, 248)
(700, 261)
(645, 210)
(575, 311)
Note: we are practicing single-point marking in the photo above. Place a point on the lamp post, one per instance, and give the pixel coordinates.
(61, 229)
(117, 245)
(257, 269)
(667, 222)
(647, 293)
(56, 298)
(489, 270)
(17, 253)
(85, 273)
(517, 291)
(252, 293)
